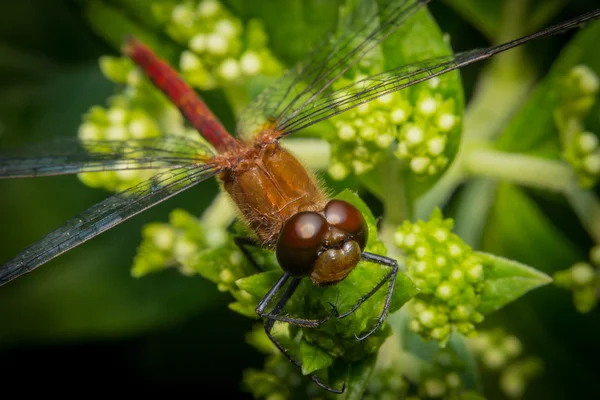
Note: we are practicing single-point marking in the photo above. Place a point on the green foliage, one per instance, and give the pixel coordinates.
(457, 285)
(422, 123)
(400, 148)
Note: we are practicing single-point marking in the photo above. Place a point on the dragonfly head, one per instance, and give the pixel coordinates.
(324, 246)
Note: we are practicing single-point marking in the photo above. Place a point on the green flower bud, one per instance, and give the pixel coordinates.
(448, 274)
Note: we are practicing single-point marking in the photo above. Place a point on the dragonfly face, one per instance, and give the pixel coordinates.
(325, 246)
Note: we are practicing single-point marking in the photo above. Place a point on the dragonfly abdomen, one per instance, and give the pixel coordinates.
(182, 95)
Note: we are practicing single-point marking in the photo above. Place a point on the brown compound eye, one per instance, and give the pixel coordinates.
(299, 243)
(347, 218)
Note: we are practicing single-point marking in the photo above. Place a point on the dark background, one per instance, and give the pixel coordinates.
(81, 321)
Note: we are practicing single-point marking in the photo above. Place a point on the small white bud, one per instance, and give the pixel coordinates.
(446, 122)
(216, 44)
(427, 106)
(436, 146)
(230, 69)
(117, 115)
(591, 163)
(250, 63)
(226, 28)
(398, 116)
(189, 61)
(419, 164)
(582, 274)
(414, 135)
(208, 8)
(89, 131)
(385, 99)
(198, 43)
(338, 171)
(587, 142)
(163, 238)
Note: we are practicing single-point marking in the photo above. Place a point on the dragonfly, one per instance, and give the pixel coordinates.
(289, 212)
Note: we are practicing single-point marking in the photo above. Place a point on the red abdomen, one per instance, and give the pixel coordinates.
(182, 95)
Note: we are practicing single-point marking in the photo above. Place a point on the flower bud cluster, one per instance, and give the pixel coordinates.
(583, 280)
(189, 244)
(442, 378)
(417, 120)
(502, 352)
(140, 111)
(172, 244)
(449, 275)
(576, 95)
(221, 50)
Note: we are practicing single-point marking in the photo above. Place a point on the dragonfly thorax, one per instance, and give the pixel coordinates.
(269, 186)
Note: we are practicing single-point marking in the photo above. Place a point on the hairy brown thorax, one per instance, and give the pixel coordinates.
(269, 185)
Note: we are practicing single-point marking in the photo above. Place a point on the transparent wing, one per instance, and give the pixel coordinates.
(73, 156)
(368, 89)
(357, 34)
(104, 216)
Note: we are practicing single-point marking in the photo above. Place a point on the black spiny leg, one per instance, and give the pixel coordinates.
(262, 305)
(269, 323)
(243, 243)
(390, 276)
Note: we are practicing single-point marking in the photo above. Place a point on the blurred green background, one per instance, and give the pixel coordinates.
(82, 318)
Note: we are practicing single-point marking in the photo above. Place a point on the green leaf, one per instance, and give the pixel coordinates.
(313, 358)
(358, 378)
(294, 32)
(484, 15)
(518, 229)
(469, 374)
(507, 280)
(114, 26)
(487, 15)
(536, 117)
(259, 284)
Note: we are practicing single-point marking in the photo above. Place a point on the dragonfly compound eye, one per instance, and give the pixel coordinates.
(299, 242)
(347, 218)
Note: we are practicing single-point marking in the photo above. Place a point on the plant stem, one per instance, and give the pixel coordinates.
(520, 169)
(237, 98)
(473, 210)
(587, 207)
(220, 214)
(501, 89)
(538, 173)
(314, 153)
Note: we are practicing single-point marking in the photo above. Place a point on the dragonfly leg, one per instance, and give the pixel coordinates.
(269, 323)
(243, 243)
(390, 276)
(307, 323)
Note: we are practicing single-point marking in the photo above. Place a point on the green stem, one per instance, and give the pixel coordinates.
(539, 173)
(314, 153)
(237, 97)
(439, 194)
(217, 217)
(473, 210)
(397, 206)
(501, 89)
(519, 169)
(587, 207)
